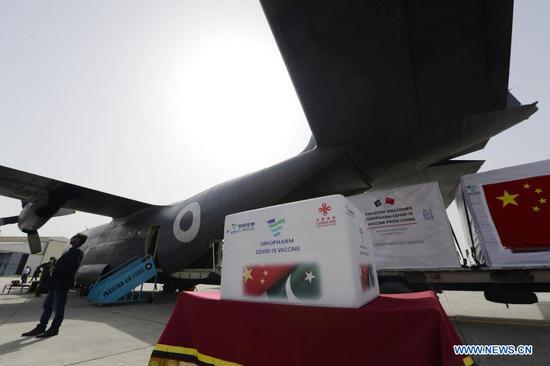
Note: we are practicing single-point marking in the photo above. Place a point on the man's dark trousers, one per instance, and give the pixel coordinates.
(55, 301)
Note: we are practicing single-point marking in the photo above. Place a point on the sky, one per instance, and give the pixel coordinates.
(160, 100)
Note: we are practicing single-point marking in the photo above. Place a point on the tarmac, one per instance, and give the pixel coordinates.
(124, 335)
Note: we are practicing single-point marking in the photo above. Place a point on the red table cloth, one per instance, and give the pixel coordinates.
(404, 329)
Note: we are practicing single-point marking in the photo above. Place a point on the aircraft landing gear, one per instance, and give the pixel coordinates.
(169, 288)
(84, 290)
(187, 288)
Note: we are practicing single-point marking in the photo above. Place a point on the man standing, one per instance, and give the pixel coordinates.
(25, 274)
(36, 274)
(61, 280)
(44, 281)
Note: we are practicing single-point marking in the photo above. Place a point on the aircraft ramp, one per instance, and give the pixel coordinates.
(120, 285)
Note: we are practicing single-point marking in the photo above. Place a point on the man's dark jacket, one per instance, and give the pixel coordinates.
(65, 269)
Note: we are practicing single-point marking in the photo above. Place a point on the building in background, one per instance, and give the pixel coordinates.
(15, 254)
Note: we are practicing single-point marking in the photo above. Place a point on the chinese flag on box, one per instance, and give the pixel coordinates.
(521, 212)
(259, 279)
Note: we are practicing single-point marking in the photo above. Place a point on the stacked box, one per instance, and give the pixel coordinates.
(506, 215)
(409, 227)
(313, 252)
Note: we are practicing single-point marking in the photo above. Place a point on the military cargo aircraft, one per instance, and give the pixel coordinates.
(393, 92)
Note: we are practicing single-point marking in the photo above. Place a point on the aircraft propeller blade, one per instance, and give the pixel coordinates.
(8, 220)
(34, 242)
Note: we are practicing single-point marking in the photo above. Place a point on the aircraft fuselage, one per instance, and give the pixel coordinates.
(187, 228)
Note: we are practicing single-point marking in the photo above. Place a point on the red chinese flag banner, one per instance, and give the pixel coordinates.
(521, 212)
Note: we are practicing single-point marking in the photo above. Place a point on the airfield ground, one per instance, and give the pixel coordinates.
(125, 334)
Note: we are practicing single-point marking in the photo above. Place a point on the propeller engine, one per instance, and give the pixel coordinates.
(33, 217)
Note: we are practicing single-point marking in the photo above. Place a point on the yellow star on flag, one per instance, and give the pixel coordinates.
(508, 198)
(542, 200)
(536, 209)
(538, 190)
(526, 186)
(247, 274)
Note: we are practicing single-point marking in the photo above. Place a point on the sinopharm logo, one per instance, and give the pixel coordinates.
(276, 226)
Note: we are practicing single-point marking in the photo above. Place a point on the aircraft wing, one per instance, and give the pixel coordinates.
(447, 175)
(28, 187)
(400, 85)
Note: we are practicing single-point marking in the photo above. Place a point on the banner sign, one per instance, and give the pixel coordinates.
(314, 252)
(409, 227)
(509, 214)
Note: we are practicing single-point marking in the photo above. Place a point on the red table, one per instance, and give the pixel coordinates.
(405, 329)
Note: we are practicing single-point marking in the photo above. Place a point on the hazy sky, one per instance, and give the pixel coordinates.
(159, 100)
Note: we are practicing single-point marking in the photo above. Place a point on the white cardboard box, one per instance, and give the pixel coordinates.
(314, 252)
(529, 186)
(409, 227)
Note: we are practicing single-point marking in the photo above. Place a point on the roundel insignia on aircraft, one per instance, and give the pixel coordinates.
(187, 222)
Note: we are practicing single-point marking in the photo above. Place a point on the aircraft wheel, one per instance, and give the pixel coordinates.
(169, 288)
(187, 288)
(395, 287)
(84, 290)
